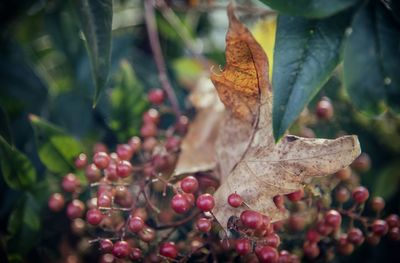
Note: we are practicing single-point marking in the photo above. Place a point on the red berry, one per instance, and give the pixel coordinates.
(273, 240)
(136, 253)
(156, 96)
(377, 204)
(360, 194)
(81, 161)
(111, 172)
(205, 202)
(124, 169)
(106, 245)
(393, 220)
(279, 201)
(56, 202)
(136, 224)
(203, 225)
(355, 236)
(75, 209)
(121, 249)
(152, 116)
(296, 196)
(70, 183)
(189, 184)
(380, 227)
(324, 109)
(168, 250)
(394, 234)
(267, 254)
(180, 204)
(251, 219)
(284, 257)
(94, 216)
(311, 250)
(313, 236)
(243, 246)
(235, 200)
(124, 151)
(333, 219)
(101, 160)
(93, 174)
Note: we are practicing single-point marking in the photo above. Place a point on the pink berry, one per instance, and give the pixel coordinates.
(203, 225)
(136, 253)
(324, 109)
(152, 116)
(189, 184)
(56, 202)
(124, 169)
(104, 200)
(70, 183)
(393, 220)
(94, 216)
(355, 236)
(360, 194)
(101, 160)
(106, 245)
(333, 219)
(124, 151)
(380, 227)
(243, 246)
(235, 200)
(93, 174)
(148, 130)
(75, 209)
(311, 250)
(81, 161)
(205, 202)
(267, 254)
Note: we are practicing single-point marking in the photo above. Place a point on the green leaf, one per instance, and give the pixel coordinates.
(23, 226)
(306, 53)
(372, 60)
(17, 169)
(128, 102)
(310, 8)
(96, 19)
(57, 150)
(388, 181)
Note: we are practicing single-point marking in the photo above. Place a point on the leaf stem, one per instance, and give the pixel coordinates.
(157, 54)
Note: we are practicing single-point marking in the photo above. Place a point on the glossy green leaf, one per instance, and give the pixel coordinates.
(310, 8)
(57, 150)
(387, 182)
(306, 53)
(23, 226)
(128, 102)
(96, 20)
(18, 171)
(372, 60)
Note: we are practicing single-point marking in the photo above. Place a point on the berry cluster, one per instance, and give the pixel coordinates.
(139, 211)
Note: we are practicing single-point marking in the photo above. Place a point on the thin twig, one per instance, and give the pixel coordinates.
(158, 56)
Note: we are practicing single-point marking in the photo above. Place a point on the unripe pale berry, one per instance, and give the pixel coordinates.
(377, 204)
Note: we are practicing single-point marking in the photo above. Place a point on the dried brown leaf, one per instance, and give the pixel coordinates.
(251, 164)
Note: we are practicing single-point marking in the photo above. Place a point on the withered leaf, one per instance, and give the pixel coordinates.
(251, 164)
(198, 146)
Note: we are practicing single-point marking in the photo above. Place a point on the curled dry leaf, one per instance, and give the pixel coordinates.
(198, 146)
(251, 164)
